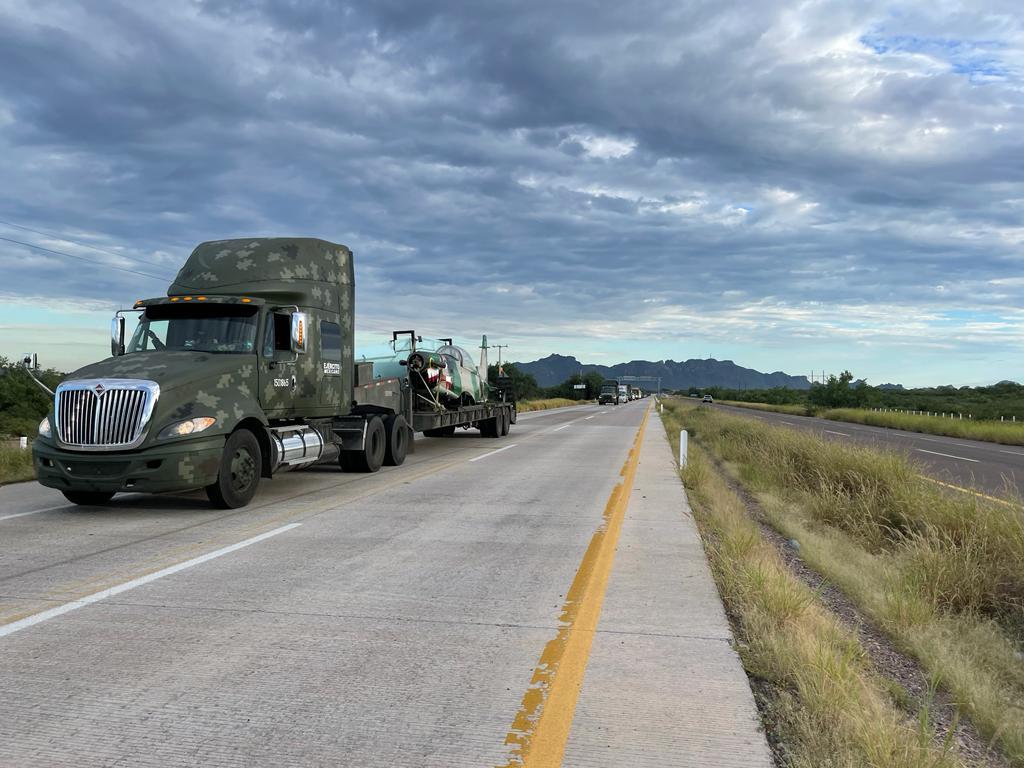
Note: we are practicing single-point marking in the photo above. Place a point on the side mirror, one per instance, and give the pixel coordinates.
(300, 332)
(117, 336)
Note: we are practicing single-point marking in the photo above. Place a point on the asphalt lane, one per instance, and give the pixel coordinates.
(989, 468)
(391, 619)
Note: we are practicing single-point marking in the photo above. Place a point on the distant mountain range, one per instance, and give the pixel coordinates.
(554, 369)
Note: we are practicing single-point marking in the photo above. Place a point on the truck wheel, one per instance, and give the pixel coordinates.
(397, 432)
(239, 475)
(88, 498)
(372, 456)
(506, 423)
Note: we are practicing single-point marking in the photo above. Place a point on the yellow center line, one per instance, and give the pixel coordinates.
(540, 729)
(979, 494)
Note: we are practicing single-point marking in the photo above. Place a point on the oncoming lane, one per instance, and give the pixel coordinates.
(990, 468)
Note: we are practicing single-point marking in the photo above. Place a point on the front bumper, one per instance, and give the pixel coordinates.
(177, 466)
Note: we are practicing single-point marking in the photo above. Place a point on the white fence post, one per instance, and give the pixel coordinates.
(662, 407)
(682, 448)
(23, 442)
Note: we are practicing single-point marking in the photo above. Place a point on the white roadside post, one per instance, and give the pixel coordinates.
(23, 442)
(682, 448)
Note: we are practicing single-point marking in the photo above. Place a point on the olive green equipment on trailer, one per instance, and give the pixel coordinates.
(243, 370)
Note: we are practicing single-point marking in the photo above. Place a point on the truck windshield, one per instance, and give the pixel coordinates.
(218, 328)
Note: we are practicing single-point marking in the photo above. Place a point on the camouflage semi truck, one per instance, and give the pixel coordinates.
(243, 370)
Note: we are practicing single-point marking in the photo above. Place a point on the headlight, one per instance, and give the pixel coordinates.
(187, 427)
(44, 428)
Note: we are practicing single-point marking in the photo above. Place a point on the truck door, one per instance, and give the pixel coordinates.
(278, 378)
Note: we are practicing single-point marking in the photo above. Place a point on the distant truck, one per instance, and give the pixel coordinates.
(243, 370)
(609, 394)
(623, 393)
(635, 393)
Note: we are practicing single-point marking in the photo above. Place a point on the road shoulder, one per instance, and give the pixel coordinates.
(664, 685)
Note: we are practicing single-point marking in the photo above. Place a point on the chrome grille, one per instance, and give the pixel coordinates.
(103, 414)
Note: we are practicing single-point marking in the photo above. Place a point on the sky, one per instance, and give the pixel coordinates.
(793, 186)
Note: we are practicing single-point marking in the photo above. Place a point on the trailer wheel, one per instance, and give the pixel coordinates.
(239, 475)
(397, 432)
(506, 423)
(88, 498)
(374, 446)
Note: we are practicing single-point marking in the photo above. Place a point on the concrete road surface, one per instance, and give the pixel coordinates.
(441, 613)
(990, 468)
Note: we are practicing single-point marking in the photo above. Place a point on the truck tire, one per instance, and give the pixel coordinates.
(88, 498)
(398, 435)
(506, 422)
(371, 457)
(490, 427)
(439, 432)
(239, 475)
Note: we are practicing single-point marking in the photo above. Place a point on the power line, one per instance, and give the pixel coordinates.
(83, 258)
(75, 242)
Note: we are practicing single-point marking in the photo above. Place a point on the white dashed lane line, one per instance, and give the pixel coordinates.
(559, 429)
(494, 452)
(95, 597)
(33, 512)
(948, 455)
(843, 434)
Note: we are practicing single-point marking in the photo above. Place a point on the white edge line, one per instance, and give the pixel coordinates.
(588, 418)
(28, 621)
(494, 452)
(564, 426)
(831, 432)
(1015, 453)
(33, 512)
(948, 455)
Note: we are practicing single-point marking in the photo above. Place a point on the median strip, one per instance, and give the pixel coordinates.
(540, 729)
(95, 597)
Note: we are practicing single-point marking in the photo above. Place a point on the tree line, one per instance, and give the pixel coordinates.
(22, 403)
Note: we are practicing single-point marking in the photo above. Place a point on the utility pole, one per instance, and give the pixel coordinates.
(499, 347)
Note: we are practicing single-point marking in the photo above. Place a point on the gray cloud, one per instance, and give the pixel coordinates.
(774, 172)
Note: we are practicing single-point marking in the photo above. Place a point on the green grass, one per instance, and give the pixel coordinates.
(15, 465)
(828, 707)
(990, 431)
(940, 573)
(551, 402)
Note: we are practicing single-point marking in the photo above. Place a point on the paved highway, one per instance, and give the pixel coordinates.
(442, 613)
(989, 468)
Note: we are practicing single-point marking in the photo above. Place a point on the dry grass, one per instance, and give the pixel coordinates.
(828, 709)
(989, 431)
(792, 410)
(941, 574)
(552, 402)
(15, 465)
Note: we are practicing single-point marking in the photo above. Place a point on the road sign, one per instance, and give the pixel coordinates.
(579, 386)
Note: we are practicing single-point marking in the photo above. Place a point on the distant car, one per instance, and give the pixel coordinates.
(708, 399)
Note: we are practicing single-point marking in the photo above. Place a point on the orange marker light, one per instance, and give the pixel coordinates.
(188, 298)
(174, 298)
(246, 301)
(200, 298)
